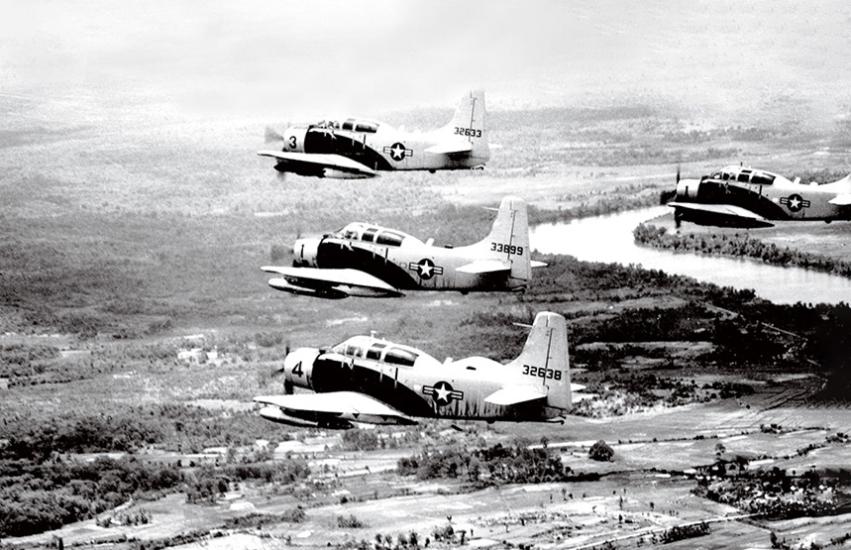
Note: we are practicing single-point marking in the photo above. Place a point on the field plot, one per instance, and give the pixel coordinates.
(137, 327)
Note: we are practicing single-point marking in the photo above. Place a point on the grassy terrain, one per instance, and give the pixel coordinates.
(129, 233)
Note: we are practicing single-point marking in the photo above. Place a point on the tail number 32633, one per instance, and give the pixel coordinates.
(469, 132)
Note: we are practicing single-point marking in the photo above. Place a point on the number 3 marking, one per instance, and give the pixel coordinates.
(292, 142)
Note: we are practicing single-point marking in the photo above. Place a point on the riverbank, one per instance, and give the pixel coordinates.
(738, 245)
(610, 239)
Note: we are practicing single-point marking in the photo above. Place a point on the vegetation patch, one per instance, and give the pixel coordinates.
(738, 246)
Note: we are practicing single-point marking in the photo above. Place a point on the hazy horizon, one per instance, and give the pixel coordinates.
(295, 59)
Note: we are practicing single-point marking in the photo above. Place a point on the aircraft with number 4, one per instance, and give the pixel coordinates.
(365, 379)
(367, 260)
(359, 148)
(744, 197)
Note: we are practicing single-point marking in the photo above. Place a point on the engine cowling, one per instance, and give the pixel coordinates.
(294, 139)
(687, 189)
(298, 367)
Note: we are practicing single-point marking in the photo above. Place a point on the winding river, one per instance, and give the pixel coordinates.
(609, 239)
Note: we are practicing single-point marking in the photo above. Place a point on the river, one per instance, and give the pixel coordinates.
(609, 239)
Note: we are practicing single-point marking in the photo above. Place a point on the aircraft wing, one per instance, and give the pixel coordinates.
(485, 266)
(843, 199)
(458, 147)
(338, 406)
(726, 212)
(319, 160)
(345, 281)
(514, 395)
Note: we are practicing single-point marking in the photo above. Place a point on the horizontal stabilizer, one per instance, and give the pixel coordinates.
(451, 148)
(536, 263)
(841, 200)
(485, 266)
(516, 394)
(577, 397)
(320, 161)
(345, 405)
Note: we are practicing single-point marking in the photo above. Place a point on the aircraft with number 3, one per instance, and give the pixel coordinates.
(359, 148)
(743, 197)
(369, 380)
(367, 260)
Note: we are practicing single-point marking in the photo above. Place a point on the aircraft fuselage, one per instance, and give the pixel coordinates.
(385, 149)
(410, 265)
(770, 196)
(424, 387)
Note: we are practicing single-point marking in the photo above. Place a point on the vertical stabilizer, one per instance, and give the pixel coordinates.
(469, 122)
(508, 239)
(546, 352)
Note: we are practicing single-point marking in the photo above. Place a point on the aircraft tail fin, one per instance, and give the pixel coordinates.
(508, 240)
(470, 122)
(545, 359)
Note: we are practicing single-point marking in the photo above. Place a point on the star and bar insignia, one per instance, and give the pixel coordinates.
(442, 393)
(398, 151)
(795, 202)
(425, 268)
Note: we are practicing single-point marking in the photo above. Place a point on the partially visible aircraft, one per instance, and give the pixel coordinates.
(369, 380)
(367, 260)
(359, 148)
(746, 197)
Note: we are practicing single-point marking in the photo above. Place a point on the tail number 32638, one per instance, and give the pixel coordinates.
(541, 372)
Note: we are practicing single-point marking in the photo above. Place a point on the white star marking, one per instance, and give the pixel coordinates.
(425, 269)
(442, 393)
(398, 151)
(794, 203)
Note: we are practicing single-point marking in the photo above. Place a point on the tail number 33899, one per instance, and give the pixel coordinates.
(507, 248)
(541, 372)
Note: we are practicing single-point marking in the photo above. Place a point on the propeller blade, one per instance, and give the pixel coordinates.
(288, 387)
(678, 173)
(272, 135)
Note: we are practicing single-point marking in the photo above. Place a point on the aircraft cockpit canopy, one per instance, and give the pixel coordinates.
(372, 234)
(366, 126)
(350, 125)
(377, 350)
(744, 175)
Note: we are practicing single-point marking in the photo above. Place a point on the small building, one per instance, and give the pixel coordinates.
(729, 464)
(195, 355)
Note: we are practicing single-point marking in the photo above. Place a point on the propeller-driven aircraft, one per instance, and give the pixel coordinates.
(363, 259)
(369, 380)
(359, 148)
(745, 197)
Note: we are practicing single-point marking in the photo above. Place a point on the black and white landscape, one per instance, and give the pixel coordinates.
(136, 325)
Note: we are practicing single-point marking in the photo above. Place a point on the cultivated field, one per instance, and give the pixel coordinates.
(131, 298)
